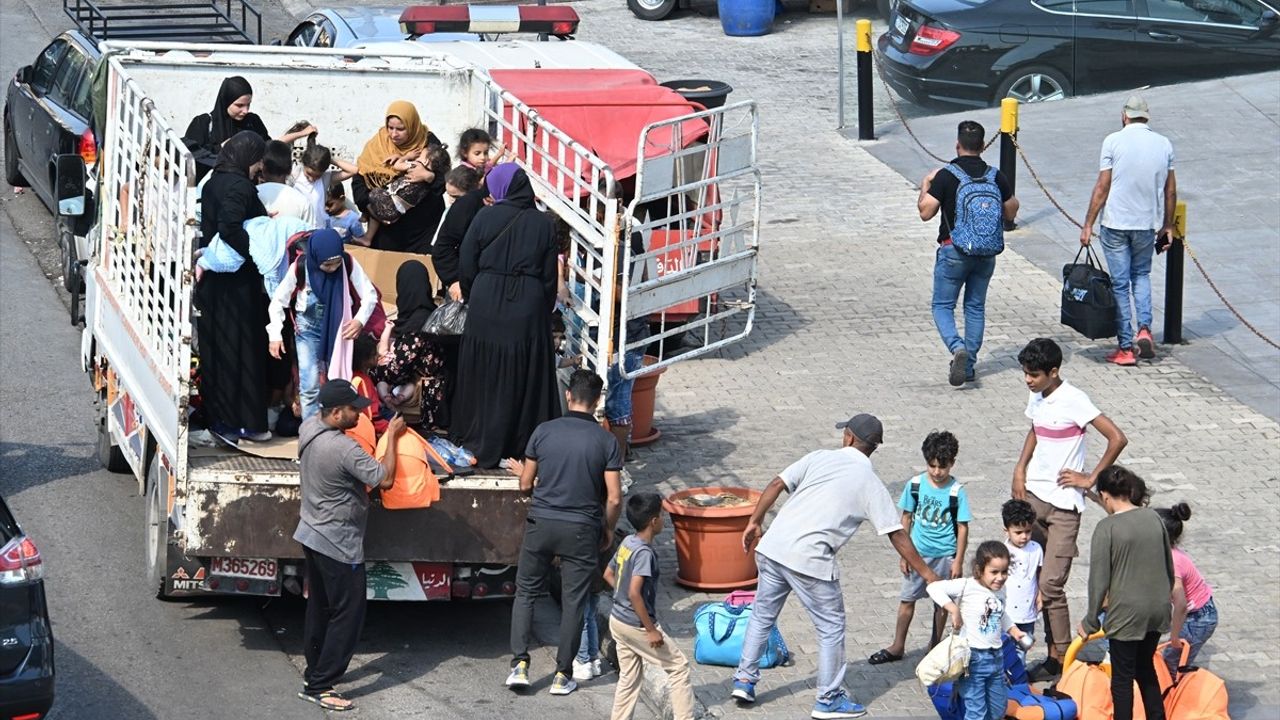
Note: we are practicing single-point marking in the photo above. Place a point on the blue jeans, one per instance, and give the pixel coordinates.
(617, 399)
(1030, 630)
(1128, 254)
(983, 690)
(308, 330)
(951, 271)
(825, 603)
(590, 647)
(1196, 631)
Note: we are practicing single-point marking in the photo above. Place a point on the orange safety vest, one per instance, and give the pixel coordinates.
(415, 485)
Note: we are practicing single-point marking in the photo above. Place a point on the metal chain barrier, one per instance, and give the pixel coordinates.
(1053, 201)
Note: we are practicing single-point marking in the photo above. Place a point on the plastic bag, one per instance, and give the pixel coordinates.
(448, 319)
(948, 660)
(453, 454)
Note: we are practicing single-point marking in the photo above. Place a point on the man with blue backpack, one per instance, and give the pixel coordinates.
(975, 200)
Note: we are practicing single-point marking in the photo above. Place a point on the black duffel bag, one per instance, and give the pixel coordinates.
(1088, 306)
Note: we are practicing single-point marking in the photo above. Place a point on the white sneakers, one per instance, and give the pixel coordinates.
(589, 670)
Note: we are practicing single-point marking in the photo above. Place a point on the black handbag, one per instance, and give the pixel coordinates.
(1088, 307)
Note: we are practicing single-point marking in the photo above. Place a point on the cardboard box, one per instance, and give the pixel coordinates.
(382, 265)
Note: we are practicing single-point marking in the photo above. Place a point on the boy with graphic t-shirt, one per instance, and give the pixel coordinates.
(1022, 589)
(633, 621)
(1050, 476)
(935, 507)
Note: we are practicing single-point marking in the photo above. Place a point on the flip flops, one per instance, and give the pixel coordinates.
(326, 700)
(883, 656)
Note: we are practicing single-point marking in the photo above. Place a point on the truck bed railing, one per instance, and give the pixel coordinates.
(228, 21)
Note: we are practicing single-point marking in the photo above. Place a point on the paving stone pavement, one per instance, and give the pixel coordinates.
(844, 325)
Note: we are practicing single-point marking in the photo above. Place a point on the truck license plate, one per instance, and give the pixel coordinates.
(244, 567)
(901, 24)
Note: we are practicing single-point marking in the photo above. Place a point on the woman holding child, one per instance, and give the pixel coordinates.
(399, 151)
(233, 306)
(506, 369)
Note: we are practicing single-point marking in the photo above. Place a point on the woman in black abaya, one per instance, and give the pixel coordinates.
(207, 132)
(506, 368)
(233, 306)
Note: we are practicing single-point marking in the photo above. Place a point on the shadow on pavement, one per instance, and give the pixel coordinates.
(26, 466)
(82, 690)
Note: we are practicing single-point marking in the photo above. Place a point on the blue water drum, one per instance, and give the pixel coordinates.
(746, 18)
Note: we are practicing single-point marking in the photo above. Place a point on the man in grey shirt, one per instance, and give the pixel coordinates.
(336, 477)
(832, 493)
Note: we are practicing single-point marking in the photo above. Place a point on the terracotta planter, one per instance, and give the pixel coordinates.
(644, 395)
(709, 540)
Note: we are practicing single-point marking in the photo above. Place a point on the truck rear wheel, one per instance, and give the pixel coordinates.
(156, 529)
(110, 455)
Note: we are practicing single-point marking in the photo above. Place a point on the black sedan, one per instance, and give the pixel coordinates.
(976, 52)
(26, 639)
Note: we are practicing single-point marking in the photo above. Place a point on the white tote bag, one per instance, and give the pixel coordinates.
(948, 660)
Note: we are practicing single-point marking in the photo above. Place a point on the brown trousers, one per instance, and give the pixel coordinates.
(1056, 530)
(633, 651)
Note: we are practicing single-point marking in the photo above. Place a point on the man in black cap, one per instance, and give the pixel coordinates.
(336, 477)
(832, 493)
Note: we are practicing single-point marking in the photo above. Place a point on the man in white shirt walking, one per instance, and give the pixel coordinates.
(832, 493)
(1136, 193)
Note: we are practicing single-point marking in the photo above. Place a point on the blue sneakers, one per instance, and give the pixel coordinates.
(837, 708)
(744, 691)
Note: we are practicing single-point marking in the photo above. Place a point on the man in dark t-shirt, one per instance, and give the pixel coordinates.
(954, 269)
(576, 500)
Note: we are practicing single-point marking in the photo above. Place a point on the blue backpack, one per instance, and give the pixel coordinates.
(979, 221)
(719, 630)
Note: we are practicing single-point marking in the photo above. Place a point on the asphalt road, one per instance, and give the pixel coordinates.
(122, 654)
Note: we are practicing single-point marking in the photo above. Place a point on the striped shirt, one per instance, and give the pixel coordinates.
(1059, 422)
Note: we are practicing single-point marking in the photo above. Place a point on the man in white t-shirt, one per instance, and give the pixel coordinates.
(1050, 476)
(832, 493)
(1136, 192)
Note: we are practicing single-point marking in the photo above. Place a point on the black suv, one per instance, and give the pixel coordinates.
(48, 108)
(26, 639)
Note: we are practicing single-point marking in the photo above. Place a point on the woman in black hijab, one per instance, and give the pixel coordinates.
(233, 306)
(506, 368)
(415, 356)
(208, 131)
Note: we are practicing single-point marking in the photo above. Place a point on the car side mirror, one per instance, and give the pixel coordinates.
(69, 185)
(24, 75)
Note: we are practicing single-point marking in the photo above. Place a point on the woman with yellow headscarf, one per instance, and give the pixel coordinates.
(393, 150)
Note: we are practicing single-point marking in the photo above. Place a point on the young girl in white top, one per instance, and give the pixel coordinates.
(977, 606)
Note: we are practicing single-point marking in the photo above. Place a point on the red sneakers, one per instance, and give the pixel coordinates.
(1146, 344)
(1123, 356)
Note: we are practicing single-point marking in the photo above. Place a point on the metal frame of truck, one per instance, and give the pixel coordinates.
(211, 522)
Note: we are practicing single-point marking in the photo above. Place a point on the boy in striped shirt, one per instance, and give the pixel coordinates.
(1050, 476)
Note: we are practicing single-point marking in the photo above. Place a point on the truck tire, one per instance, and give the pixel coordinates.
(12, 174)
(652, 9)
(67, 260)
(110, 456)
(155, 527)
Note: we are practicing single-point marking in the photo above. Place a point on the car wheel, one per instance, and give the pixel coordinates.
(12, 174)
(110, 456)
(1034, 84)
(67, 256)
(156, 528)
(652, 9)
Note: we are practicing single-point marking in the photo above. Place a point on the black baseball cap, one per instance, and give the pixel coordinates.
(340, 393)
(866, 426)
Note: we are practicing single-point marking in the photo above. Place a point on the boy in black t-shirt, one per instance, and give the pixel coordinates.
(633, 573)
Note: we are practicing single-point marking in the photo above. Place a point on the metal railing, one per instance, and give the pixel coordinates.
(187, 20)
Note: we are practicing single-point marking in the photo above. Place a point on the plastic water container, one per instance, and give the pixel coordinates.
(746, 18)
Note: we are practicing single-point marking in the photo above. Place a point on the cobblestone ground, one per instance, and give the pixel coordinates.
(844, 326)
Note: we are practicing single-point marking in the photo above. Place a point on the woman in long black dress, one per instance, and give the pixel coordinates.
(233, 306)
(506, 368)
(208, 131)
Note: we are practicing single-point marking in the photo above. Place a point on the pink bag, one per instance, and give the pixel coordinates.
(740, 597)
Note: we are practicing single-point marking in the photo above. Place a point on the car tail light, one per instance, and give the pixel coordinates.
(20, 562)
(28, 716)
(559, 20)
(88, 148)
(931, 40)
(480, 590)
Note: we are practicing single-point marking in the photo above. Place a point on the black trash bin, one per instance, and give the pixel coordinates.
(710, 94)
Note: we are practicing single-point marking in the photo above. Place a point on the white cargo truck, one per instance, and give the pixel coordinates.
(223, 522)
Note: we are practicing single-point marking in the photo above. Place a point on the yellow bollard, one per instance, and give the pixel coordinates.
(1180, 220)
(1173, 277)
(864, 36)
(1009, 116)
